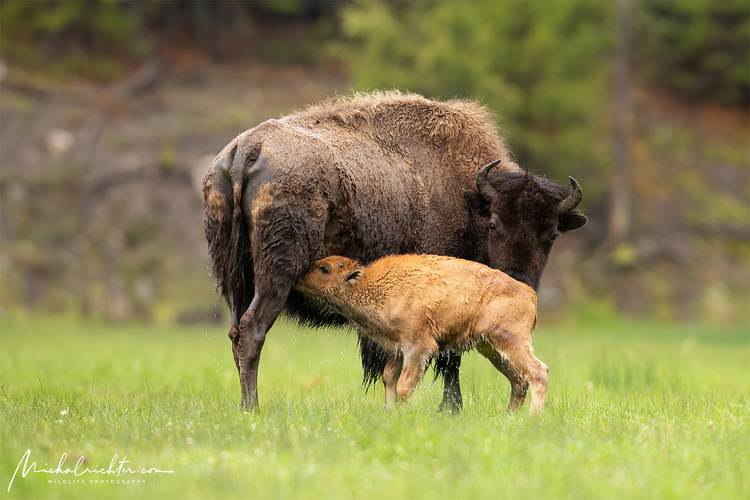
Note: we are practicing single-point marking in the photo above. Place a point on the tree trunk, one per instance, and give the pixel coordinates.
(620, 217)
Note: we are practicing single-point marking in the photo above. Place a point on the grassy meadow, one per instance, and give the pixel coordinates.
(634, 410)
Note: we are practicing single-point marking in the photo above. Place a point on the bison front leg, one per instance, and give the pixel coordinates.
(448, 365)
(391, 373)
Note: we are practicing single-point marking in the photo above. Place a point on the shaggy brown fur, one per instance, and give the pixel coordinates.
(367, 176)
(363, 176)
(414, 306)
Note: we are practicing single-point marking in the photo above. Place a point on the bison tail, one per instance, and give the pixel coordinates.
(227, 231)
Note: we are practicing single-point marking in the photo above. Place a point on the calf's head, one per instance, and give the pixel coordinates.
(525, 215)
(329, 278)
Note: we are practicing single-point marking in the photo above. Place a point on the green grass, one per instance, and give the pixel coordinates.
(634, 410)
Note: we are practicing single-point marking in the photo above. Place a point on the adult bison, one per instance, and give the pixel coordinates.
(363, 177)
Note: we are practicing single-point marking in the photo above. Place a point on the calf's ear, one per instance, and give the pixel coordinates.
(476, 201)
(353, 276)
(571, 221)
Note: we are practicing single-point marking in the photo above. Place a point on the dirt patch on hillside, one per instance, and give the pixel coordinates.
(115, 225)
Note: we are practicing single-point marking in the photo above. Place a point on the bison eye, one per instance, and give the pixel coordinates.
(553, 237)
(324, 270)
(492, 226)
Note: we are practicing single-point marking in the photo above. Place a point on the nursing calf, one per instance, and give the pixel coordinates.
(416, 306)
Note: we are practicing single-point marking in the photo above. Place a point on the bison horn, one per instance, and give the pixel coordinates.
(483, 185)
(571, 201)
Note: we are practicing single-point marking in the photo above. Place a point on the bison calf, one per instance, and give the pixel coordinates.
(415, 306)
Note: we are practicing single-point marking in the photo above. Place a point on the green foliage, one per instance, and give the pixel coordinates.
(546, 66)
(284, 6)
(635, 410)
(699, 49)
(69, 36)
(541, 65)
(105, 19)
(710, 210)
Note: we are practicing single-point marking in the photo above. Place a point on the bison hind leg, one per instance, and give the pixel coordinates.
(284, 244)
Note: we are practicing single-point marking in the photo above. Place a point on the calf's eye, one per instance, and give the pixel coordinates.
(324, 270)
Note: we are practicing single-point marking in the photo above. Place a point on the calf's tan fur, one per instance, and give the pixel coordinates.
(415, 306)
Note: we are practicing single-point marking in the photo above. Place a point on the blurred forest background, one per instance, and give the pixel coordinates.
(111, 111)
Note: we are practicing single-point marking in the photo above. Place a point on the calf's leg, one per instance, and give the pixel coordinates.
(411, 372)
(516, 346)
(391, 373)
(518, 384)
